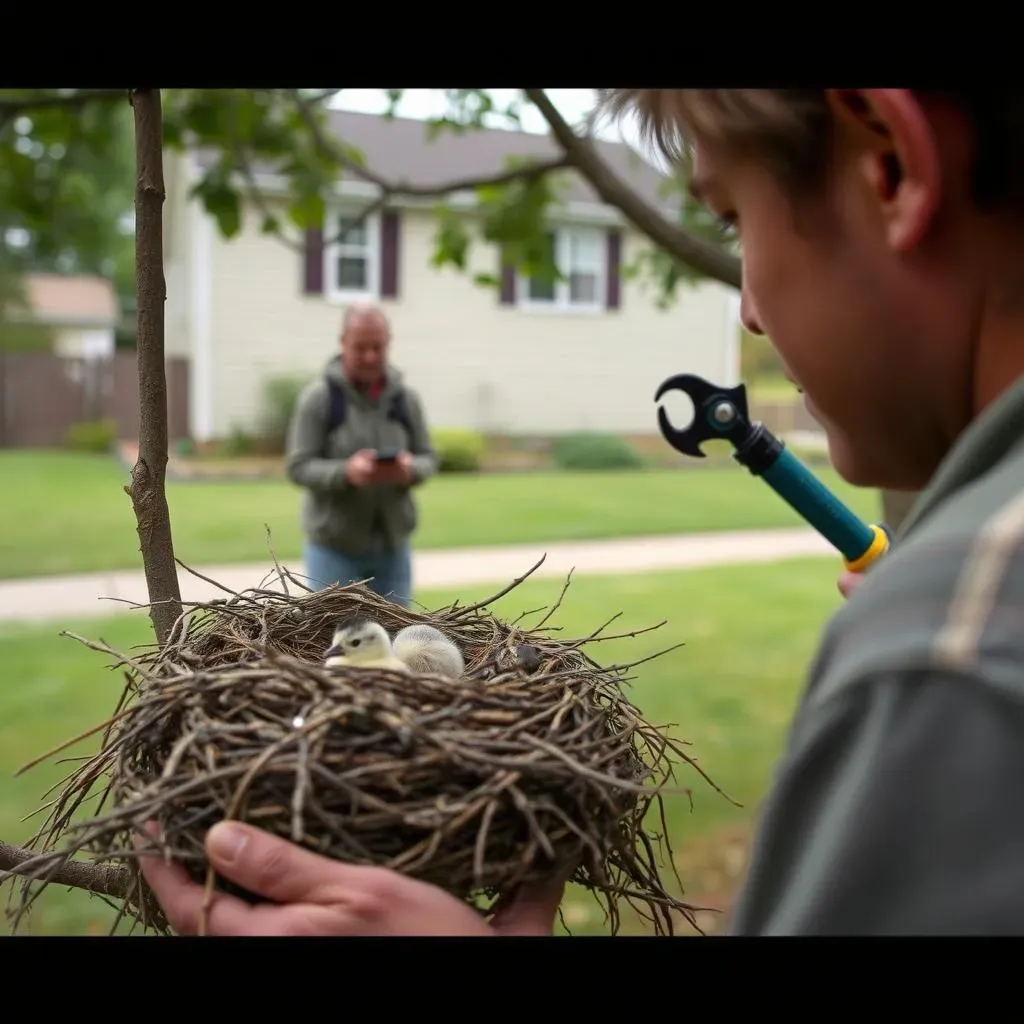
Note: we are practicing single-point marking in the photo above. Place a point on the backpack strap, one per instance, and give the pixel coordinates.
(399, 412)
(336, 410)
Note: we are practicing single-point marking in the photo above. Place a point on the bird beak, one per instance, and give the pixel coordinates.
(334, 650)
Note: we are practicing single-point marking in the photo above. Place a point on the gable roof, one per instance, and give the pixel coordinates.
(399, 150)
(66, 298)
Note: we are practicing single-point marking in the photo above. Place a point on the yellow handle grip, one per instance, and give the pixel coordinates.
(879, 546)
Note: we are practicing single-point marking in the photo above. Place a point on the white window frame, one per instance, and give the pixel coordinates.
(333, 250)
(561, 302)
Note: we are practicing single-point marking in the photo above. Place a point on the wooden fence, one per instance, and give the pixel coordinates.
(43, 395)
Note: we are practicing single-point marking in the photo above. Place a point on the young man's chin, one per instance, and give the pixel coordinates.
(855, 471)
(861, 472)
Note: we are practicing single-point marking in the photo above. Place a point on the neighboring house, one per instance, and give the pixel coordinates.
(530, 359)
(82, 311)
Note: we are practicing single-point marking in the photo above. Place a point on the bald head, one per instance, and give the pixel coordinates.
(360, 312)
(365, 337)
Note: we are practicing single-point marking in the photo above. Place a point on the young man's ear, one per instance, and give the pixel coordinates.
(896, 150)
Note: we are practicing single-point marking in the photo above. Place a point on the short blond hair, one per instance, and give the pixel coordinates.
(792, 130)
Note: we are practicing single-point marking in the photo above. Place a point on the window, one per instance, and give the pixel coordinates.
(353, 261)
(579, 254)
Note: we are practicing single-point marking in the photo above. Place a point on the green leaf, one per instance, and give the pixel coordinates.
(224, 205)
(270, 225)
(307, 211)
(451, 243)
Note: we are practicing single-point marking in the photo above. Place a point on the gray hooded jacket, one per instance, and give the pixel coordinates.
(357, 521)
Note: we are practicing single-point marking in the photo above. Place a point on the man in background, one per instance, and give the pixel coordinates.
(358, 443)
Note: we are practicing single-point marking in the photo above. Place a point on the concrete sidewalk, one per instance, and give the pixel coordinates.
(63, 597)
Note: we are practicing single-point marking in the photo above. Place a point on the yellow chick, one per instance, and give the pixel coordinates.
(428, 651)
(363, 643)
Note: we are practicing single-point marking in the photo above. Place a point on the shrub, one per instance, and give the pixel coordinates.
(238, 442)
(592, 450)
(459, 450)
(92, 435)
(279, 397)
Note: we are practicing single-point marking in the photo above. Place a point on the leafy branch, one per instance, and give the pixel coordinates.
(704, 256)
(12, 107)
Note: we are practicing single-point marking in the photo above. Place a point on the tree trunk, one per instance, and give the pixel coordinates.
(147, 487)
(895, 506)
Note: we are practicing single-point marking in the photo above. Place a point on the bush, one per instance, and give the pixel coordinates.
(239, 442)
(279, 397)
(92, 436)
(591, 450)
(459, 451)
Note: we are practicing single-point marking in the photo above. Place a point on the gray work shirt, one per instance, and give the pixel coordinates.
(898, 805)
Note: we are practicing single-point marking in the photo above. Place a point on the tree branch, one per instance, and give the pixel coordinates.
(147, 487)
(259, 201)
(16, 107)
(104, 879)
(332, 151)
(695, 252)
(326, 147)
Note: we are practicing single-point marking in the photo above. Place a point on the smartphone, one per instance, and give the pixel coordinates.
(387, 456)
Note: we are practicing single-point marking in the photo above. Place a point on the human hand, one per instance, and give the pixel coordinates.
(397, 472)
(313, 895)
(359, 468)
(849, 581)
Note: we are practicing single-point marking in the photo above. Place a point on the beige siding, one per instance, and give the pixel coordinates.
(476, 363)
(179, 256)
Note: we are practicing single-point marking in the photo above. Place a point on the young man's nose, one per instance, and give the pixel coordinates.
(748, 315)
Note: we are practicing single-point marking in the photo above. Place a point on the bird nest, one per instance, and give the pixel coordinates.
(533, 764)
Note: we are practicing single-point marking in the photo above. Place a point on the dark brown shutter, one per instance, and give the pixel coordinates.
(313, 262)
(614, 248)
(508, 282)
(390, 230)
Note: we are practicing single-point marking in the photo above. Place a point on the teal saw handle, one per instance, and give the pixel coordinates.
(858, 543)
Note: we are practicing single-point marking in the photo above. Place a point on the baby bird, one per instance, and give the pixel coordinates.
(428, 651)
(363, 643)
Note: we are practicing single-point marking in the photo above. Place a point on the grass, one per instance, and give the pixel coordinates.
(67, 513)
(771, 388)
(749, 631)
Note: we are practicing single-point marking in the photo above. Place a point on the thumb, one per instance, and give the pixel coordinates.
(531, 911)
(267, 865)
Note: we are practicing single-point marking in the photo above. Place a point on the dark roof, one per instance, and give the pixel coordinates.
(398, 149)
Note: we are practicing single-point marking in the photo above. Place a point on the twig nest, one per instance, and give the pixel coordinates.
(532, 764)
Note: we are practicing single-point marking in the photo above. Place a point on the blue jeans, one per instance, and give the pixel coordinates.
(391, 572)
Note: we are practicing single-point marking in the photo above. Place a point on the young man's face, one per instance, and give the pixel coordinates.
(856, 289)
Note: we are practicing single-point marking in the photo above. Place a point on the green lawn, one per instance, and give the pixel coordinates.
(749, 635)
(66, 513)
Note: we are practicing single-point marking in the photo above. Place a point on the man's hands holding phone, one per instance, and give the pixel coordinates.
(365, 468)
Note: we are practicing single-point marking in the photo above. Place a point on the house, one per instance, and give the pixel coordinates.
(81, 310)
(528, 359)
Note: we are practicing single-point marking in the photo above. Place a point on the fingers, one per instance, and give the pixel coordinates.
(269, 866)
(531, 911)
(182, 902)
(182, 899)
(848, 583)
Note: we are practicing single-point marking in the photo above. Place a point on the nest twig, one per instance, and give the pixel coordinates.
(535, 762)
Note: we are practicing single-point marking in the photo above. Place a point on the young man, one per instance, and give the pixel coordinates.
(359, 513)
(883, 255)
